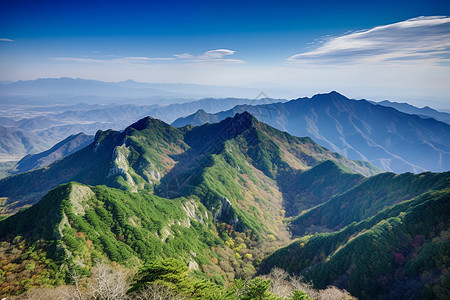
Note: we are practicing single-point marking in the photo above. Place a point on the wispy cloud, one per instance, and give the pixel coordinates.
(121, 60)
(418, 39)
(6, 40)
(211, 56)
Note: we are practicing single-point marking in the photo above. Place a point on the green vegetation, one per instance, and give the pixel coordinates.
(304, 190)
(75, 224)
(367, 199)
(407, 242)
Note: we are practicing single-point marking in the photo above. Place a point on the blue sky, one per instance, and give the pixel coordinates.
(395, 50)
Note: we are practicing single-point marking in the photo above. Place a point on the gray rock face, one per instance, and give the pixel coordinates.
(226, 212)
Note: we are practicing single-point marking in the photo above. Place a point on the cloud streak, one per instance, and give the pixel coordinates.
(211, 56)
(122, 60)
(208, 57)
(419, 39)
(6, 40)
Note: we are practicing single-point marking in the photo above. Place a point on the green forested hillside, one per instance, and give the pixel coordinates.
(401, 252)
(304, 190)
(131, 160)
(367, 199)
(75, 224)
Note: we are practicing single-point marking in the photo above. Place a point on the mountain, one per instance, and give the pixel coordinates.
(154, 190)
(199, 118)
(79, 87)
(49, 125)
(386, 237)
(215, 197)
(66, 147)
(305, 190)
(424, 112)
(399, 253)
(151, 153)
(358, 129)
(366, 199)
(74, 225)
(64, 90)
(14, 141)
(168, 113)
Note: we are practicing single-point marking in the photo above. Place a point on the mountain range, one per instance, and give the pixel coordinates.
(64, 148)
(165, 156)
(45, 126)
(65, 90)
(389, 139)
(424, 112)
(222, 198)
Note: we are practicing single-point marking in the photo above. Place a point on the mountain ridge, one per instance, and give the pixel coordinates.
(392, 140)
(139, 157)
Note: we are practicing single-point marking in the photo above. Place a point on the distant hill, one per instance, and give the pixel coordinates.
(64, 88)
(358, 129)
(424, 112)
(66, 147)
(14, 141)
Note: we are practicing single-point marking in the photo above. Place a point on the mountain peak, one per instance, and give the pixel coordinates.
(243, 121)
(244, 116)
(201, 112)
(333, 95)
(144, 123)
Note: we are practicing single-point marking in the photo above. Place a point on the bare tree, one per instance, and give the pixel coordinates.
(284, 285)
(280, 285)
(333, 293)
(156, 292)
(108, 283)
(76, 279)
(59, 293)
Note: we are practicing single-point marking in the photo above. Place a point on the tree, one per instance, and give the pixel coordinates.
(258, 289)
(109, 283)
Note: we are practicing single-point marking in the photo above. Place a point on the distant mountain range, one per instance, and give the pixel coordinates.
(424, 112)
(64, 148)
(65, 90)
(14, 141)
(390, 139)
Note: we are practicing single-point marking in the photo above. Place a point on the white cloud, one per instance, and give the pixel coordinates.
(211, 56)
(419, 39)
(6, 40)
(79, 59)
(184, 56)
(208, 57)
(122, 60)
